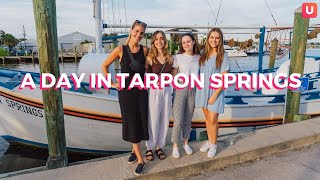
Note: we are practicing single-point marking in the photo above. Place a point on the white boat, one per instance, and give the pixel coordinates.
(93, 120)
(234, 52)
(253, 51)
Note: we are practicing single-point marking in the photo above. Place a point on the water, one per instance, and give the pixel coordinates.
(18, 156)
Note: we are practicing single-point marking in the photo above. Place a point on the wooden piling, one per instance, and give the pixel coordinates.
(61, 53)
(273, 52)
(32, 57)
(46, 29)
(75, 54)
(298, 50)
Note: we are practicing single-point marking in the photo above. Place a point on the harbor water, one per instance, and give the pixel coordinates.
(15, 156)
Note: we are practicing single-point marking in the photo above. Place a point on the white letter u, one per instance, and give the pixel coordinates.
(307, 10)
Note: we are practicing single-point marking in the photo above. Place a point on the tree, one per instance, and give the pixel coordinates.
(174, 47)
(86, 42)
(104, 35)
(3, 52)
(148, 35)
(9, 40)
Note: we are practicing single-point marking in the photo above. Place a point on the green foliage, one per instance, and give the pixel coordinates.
(9, 40)
(148, 35)
(4, 52)
(108, 35)
(174, 47)
(86, 42)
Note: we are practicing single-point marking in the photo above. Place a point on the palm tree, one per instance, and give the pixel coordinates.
(9, 40)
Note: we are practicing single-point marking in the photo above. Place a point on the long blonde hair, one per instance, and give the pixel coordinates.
(220, 50)
(154, 51)
(135, 23)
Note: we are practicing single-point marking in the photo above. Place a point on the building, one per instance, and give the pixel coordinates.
(67, 42)
(29, 45)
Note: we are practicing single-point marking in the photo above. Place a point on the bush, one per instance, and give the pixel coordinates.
(4, 52)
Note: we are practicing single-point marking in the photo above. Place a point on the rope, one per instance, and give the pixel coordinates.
(113, 13)
(119, 15)
(211, 9)
(271, 13)
(109, 20)
(218, 13)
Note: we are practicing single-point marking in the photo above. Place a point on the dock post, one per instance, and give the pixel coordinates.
(46, 29)
(32, 55)
(261, 45)
(298, 50)
(273, 52)
(75, 54)
(61, 51)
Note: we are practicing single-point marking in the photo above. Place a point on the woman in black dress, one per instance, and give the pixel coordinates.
(133, 102)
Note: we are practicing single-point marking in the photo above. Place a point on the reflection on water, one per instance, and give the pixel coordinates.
(20, 156)
(4, 145)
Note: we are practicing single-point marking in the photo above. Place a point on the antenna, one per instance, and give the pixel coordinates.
(24, 38)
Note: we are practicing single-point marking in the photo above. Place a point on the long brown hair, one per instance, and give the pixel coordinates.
(196, 49)
(208, 49)
(135, 23)
(154, 51)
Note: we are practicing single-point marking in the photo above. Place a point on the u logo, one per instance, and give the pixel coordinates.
(309, 10)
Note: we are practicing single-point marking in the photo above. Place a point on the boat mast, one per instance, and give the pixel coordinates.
(98, 24)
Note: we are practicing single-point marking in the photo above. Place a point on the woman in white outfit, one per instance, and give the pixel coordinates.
(159, 61)
(187, 62)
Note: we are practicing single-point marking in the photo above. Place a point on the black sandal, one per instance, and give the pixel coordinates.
(149, 155)
(160, 154)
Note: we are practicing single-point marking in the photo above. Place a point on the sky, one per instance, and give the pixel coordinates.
(77, 15)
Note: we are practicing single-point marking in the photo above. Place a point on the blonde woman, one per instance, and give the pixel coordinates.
(159, 61)
(213, 60)
(133, 102)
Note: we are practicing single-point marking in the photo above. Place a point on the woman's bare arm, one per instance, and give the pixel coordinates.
(116, 53)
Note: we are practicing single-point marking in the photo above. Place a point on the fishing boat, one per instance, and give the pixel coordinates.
(93, 120)
(253, 51)
(234, 52)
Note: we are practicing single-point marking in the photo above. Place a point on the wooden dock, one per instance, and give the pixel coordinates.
(242, 148)
(34, 59)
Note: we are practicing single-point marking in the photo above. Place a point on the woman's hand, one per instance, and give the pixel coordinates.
(212, 99)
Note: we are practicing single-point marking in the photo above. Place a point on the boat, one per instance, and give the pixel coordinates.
(234, 52)
(93, 120)
(253, 51)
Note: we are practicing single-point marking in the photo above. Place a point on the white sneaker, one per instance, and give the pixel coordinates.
(205, 147)
(212, 150)
(175, 153)
(187, 148)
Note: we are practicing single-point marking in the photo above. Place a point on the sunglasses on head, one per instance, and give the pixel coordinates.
(140, 23)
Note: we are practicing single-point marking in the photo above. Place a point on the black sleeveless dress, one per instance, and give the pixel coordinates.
(134, 102)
